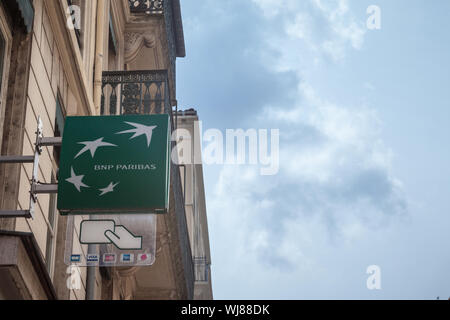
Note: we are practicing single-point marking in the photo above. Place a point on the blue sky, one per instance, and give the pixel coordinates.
(364, 126)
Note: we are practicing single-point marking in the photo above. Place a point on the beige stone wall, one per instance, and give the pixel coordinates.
(196, 215)
(50, 79)
(46, 78)
(48, 82)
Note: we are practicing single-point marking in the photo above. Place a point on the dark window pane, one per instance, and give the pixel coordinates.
(59, 128)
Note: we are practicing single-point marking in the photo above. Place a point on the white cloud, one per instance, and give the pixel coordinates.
(272, 9)
(342, 180)
(335, 179)
(301, 27)
(324, 27)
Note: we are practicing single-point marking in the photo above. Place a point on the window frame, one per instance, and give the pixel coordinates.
(2, 56)
(4, 69)
(53, 213)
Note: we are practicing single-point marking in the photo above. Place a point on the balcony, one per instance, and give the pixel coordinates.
(148, 92)
(147, 6)
(170, 11)
(135, 92)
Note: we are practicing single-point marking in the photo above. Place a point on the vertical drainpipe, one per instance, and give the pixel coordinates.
(99, 44)
(98, 70)
(91, 275)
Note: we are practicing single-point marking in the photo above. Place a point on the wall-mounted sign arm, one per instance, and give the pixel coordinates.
(36, 187)
(50, 142)
(16, 214)
(16, 159)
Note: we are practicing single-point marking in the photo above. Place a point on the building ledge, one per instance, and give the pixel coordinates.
(23, 273)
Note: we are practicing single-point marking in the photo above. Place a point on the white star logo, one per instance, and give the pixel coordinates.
(108, 189)
(140, 130)
(92, 146)
(77, 181)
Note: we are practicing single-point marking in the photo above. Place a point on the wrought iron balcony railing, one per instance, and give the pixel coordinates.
(147, 6)
(135, 92)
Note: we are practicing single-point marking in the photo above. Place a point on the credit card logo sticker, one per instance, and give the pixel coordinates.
(93, 258)
(109, 258)
(75, 258)
(144, 257)
(127, 258)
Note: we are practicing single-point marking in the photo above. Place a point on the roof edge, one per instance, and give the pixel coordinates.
(179, 32)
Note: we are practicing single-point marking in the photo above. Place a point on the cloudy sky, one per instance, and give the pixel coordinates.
(364, 120)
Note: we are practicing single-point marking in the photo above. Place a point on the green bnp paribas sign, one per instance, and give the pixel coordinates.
(115, 164)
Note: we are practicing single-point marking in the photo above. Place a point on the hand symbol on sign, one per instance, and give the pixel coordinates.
(124, 239)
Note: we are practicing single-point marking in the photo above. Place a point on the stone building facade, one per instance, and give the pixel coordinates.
(197, 220)
(57, 59)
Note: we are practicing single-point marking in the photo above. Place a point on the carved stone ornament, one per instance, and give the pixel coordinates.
(135, 41)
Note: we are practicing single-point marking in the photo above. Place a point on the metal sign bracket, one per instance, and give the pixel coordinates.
(36, 187)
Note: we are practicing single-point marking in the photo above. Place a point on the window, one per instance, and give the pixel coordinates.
(59, 128)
